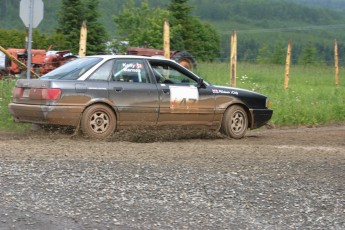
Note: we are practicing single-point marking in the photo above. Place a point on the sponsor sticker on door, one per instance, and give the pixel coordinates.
(184, 97)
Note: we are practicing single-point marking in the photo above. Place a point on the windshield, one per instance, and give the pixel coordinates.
(72, 70)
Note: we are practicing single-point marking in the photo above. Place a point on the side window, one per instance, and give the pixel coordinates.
(130, 70)
(103, 72)
(166, 74)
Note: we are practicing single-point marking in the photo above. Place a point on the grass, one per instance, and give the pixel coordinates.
(6, 120)
(311, 99)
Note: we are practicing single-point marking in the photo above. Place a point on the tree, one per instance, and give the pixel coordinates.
(40, 41)
(16, 39)
(70, 19)
(264, 55)
(12, 38)
(71, 16)
(279, 55)
(180, 23)
(203, 42)
(308, 55)
(96, 36)
(180, 11)
(247, 50)
(189, 33)
(140, 25)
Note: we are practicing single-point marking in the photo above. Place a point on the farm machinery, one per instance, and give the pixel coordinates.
(182, 57)
(13, 61)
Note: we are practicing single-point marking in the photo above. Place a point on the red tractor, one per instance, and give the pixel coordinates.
(42, 61)
(182, 57)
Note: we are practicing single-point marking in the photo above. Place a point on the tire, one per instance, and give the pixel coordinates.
(185, 59)
(235, 122)
(98, 121)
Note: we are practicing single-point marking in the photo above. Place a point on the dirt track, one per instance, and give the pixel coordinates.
(272, 179)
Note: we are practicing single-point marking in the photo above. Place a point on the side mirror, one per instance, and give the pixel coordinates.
(201, 83)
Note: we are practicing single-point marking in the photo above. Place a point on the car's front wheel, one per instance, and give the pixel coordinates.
(235, 122)
(98, 121)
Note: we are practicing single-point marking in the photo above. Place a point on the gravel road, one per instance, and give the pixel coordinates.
(272, 179)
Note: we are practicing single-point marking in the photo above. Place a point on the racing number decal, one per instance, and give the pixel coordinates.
(184, 97)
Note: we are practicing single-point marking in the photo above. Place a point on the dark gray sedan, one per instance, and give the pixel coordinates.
(102, 94)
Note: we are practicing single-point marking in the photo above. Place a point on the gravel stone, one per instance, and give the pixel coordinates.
(179, 179)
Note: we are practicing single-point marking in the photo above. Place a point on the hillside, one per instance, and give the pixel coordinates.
(274, 23)
(338, 5)
(257, 22)
(242, 14)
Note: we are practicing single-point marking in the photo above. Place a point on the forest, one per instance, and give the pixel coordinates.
(264, 26)
(338, 5)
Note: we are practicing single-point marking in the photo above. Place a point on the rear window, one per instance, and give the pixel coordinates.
(72, 70)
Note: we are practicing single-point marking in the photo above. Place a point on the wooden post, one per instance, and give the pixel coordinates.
(166, 39)
(287, 66)
(82, 42)
(336, 62)
(233, 59)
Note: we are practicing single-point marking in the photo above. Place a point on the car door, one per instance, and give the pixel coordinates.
(133, 93)
(181, 101)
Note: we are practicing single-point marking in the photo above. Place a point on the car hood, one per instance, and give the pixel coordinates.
(252, 99)
(234, 91)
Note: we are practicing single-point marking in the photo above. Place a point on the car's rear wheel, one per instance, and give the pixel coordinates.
(98, 121)
(235, 122)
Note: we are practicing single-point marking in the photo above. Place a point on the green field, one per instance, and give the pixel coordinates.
(311, 99)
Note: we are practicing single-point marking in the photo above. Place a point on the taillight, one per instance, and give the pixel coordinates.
(36, 93)
(51, 94)
(44, 94)
(17, 92)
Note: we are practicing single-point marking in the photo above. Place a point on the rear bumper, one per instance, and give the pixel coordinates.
(260, 117)
(42, 114)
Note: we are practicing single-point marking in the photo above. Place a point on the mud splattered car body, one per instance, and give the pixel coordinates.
(106, 93)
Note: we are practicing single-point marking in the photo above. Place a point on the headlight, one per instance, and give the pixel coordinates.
(268, 103)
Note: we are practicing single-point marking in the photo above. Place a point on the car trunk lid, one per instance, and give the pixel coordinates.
(37, 92)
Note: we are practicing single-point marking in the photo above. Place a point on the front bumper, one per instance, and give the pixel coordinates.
(260, 117)
(44, 114)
